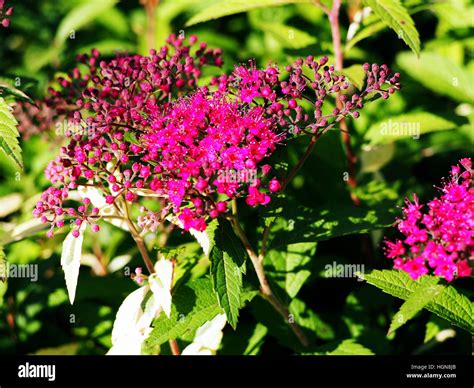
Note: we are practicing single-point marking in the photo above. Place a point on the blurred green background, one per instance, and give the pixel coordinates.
(437, 96)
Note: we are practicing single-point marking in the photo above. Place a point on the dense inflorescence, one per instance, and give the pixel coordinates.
(145, 127)
(4, 21)
(441, 239)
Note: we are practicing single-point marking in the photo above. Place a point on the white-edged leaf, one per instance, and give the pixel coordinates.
(118, 262)
(132, 322)
(208, 337)
(160, 283)
(71, 260)
(10, 203)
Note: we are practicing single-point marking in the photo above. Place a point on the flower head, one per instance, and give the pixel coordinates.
(440, 239)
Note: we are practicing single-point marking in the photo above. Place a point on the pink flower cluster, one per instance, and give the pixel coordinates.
(441, 239)
(4, 21)
(146, 127)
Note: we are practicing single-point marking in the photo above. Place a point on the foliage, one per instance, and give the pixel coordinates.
(294, 263)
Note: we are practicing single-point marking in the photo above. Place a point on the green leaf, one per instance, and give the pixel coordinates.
(410, 125)
(356, 75)
(350, 348)
(433, 327)
(300, 224)
(220, 8)
(450, 304)
(256, 341)
(290, 268)
(439, 74)
(9, 134)
(414, 303)
(347, 347)
(287, 36)
(396, 16)
(3, 275)
(8, 89)
(366, 32)
(193, 304)
(80, 16)
(115, 21)
(308, 319)
(374, 156)
(227, 266)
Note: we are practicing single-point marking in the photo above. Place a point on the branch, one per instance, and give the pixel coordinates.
(265, 288)
(339, 64)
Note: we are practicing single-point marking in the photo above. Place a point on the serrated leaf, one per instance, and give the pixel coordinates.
(9, 143)
(71, 260)
(220, 8)
(450, 304)
(227, 266)
(290, 267)
(193, 304)
(439, 74)
(396, 16)
(80, 16)
(410, 125)
(413, 304)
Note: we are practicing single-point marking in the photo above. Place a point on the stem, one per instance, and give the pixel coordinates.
(150, 7)
(174, 348)
(289, 177)
(149, 264)
(138, 240)
(300, 163)
(265, 288)
(351, 158)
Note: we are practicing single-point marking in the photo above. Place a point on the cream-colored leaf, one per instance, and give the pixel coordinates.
(161, 282)
(133, 321)
(71, 261)
(208, 337)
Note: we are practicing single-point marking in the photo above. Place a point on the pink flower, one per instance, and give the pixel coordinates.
(442, 237)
